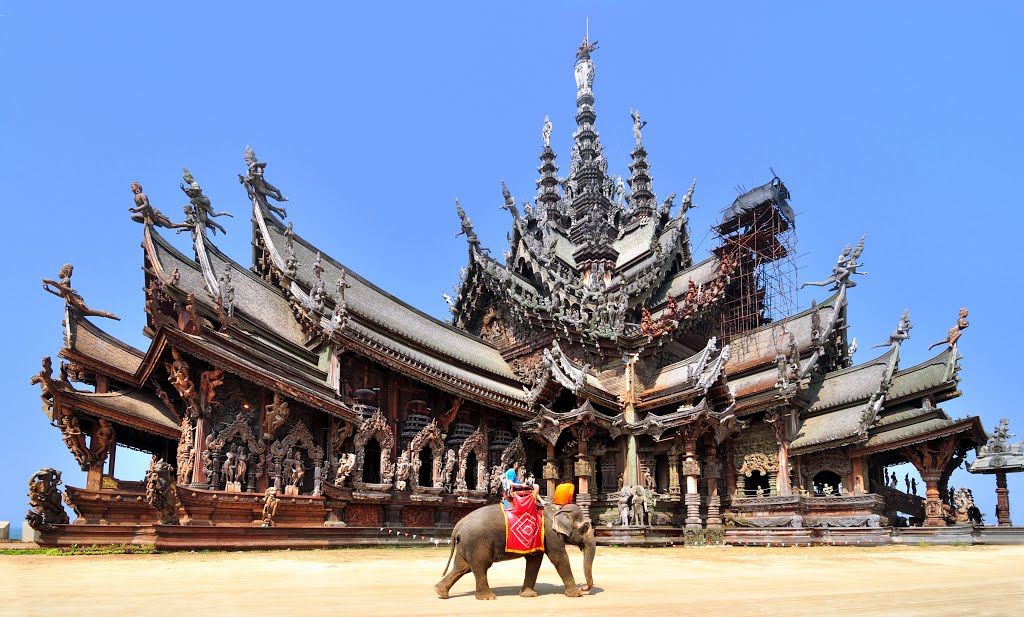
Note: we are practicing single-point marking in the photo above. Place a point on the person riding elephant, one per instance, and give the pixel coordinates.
(478, 541)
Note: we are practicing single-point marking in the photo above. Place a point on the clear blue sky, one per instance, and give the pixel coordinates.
(901, 120)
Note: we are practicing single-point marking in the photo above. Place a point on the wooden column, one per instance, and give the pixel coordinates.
(781, 486)
(674, 489)
(1002, 500)
(631, 473)
(691, 469)
(931, 460)
(858, 479)
(712, 471)
(550, 471)
(584, 467)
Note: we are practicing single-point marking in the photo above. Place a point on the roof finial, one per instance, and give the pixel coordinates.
(637, 125)
(545, 132)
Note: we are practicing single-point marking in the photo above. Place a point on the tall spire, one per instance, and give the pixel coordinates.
(641, 198)
(588, 187)
(548, 196)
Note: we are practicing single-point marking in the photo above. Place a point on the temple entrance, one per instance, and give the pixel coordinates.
(471, 463)
(756, 481)
(371, 462)
(426, 474)
(826, 478)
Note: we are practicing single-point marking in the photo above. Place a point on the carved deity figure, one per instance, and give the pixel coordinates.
(584, 69)
(62, 288)
(955, 332)
(496, 476)
(145, 213)
(846, 266)
(688, 199)
(902, 331)
(270, 507)
(402, 470)
(161, 492)
(297, 471)
(625, 497)
(638, 124)
(45, 500)
(648, 479)
(345, 465)
(199, 210)
(102, 441)
(257, 186)
(227, 468)
(545, 132)
(241, 465)
(450, 459)
(639, 505)
(178, 375)
(963, 501)
(466, 226)
(276, 415)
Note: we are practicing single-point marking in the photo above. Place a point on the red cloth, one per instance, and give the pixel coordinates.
(524, 524)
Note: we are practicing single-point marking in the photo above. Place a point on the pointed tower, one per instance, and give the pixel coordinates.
(641, 198)
(548, 196)
(594, 214)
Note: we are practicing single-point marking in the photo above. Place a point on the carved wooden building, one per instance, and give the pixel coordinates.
(598, 351)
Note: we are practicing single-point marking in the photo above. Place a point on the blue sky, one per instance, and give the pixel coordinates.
(899, 120)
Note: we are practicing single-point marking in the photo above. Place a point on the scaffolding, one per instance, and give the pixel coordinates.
(760, 235)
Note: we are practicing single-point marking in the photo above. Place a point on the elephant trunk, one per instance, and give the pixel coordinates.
(589, 549)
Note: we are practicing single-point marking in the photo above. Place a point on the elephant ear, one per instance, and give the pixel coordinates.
(561, 522)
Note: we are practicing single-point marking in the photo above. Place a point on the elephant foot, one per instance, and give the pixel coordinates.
(486, 595)
(573, 592)
(528, 593)
(441, 591)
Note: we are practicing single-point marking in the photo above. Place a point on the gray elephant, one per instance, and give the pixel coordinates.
(478, 541)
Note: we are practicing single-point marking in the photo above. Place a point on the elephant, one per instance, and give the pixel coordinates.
(478, 540)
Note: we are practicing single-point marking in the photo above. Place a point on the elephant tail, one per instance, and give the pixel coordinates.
(454, 541)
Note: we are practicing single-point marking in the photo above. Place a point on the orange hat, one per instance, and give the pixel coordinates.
(564, 494)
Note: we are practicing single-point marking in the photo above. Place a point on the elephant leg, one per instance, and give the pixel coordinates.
(532, 568)
(459, 568)
(560, 559)
(483, 590)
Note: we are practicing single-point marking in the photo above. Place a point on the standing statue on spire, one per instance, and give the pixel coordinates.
(257, 186)
(846, 266)
(509, 201)
(584, 70)
(637, 125)
(545, 132)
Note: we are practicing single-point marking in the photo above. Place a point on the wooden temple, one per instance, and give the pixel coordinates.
(291, 402)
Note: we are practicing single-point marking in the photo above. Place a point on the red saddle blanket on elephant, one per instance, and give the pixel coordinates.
(524, 524)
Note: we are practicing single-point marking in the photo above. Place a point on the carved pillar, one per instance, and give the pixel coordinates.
(858, 478)
(631, 472)
(712, 471)
(1002, 500)
(931, 460)
(781, 484)
(198, 472)
(94, 478)
(584, 467)
(674, 490)
(730, 473)
(691, 469)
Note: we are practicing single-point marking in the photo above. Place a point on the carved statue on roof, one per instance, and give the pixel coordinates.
(257, 186)
(276, 414)
(44, 379)
(45, 500)
(62, 288)
(638, 124)
(688, 199)
(467, 226)
(584, 69)
(846, 266)
(545, 132)
(666, 206)
(200, 209)
(509, 202)
(955, 332)
(145, 213)
(902, 331)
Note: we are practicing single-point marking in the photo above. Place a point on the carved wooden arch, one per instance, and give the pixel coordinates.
(813, 464)
(239, 427)
(430, 436)
(477, 444)
(298, 435)
(376, 426)
(514, 452)
(759, 461)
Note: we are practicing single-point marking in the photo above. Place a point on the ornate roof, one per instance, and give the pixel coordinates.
(86, 343)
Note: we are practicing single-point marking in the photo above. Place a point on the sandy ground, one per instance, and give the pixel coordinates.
(628, 583)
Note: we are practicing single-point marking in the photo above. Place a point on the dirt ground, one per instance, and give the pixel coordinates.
(628, 583)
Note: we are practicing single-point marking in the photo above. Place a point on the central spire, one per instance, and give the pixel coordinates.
(588, 188)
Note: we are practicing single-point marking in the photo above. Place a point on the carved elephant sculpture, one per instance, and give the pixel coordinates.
(478, 541)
